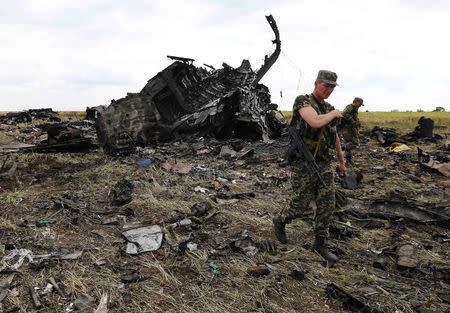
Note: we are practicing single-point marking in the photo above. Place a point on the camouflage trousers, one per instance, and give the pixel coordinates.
(306, 189)
(351, 139)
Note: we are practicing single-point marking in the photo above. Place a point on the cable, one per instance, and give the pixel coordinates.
(293, 65)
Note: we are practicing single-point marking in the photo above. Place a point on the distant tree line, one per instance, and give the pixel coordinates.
(438, 109)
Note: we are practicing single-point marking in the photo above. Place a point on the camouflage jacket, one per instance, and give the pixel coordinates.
(349, 118)
(321, 141)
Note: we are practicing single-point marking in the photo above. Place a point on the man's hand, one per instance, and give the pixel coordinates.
(342, 169)
(336, 113)
(318, 120)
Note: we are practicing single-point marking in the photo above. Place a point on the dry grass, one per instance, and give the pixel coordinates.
(404, 122)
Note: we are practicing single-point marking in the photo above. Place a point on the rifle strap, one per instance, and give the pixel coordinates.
(318, 143)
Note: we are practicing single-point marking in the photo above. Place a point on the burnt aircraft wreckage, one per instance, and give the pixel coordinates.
(185, 99)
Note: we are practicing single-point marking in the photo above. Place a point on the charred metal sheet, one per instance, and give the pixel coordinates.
(185, 99)
(29, 115)
(75, 145)
(349, 301)
(94, 112)
(443, 168)
(62, 133)
(15, 117)
(62, 138)
(181, 59)
(385, 135)
(439, 162)
(394, 209)
(423, 130)
(47, 113)
(269, 60)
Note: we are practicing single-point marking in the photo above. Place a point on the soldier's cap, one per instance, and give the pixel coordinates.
(327, 77)
(360, 100)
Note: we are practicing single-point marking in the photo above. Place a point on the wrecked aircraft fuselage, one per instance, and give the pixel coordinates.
(184, 99)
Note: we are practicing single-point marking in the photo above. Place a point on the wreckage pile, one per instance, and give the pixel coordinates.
(187, 100)
(27, 116)
(186, 226)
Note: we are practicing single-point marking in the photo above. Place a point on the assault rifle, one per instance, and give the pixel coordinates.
(302, 149)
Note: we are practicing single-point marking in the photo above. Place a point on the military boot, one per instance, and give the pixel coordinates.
(320, 245)
(279, 226)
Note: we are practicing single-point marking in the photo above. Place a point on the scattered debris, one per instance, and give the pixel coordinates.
(349, 301)
(237, 196)
(200, 209)
(35, 297)
(203, 169)
(443, 168)
(10, 172)
(191, 246)
(179, 168)
(215, 268)
(133, 277)
(144, 162)
(227, 152)
(393, 209)
(55, 285)
(19, 255)
(16, 117)
(258, 271)
(61, 138)
(103, 305)
(142, 238)
(385, 135)
(380, 263)
(423, 130)
(11, 118)
(121, 193)
(245, 152)
(398, 147)
(64, 254)
(433, 164)
(84, 301)
(183, 222)
(14, 146)
(406, 257)
(297, 274)
(5, 284)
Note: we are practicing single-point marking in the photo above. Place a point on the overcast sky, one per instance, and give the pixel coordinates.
(71, 54)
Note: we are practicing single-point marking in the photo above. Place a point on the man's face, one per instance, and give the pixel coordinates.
(323, 90)
(357, 104)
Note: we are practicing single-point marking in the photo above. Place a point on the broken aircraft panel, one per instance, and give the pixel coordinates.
(394, 209)
(183, 98)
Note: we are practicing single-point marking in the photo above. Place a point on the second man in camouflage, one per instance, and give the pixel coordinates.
(349, 128)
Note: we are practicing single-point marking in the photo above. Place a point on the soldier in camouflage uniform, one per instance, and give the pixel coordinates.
(349, 128)
(315, 118)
